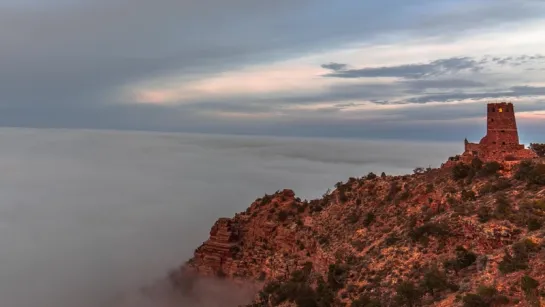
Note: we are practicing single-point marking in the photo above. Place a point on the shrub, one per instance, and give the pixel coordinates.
(528, 284)
(371, 175)
(518, 259)
(477, 163)
(464, 258)
(539, 149)
(394, 189)
(485, 297)
(529, 287)
(435, 280)
(531, 172)
(534, 224)
(468, 195)
(429, 188)
(503, 208)
(369, 219)
(474, 300)
(460, 171)
(282, 215)
(491, 295)
(336, 276)
(484, 214)
(407, 294)
(352, 218)
(429, 229)
(490, 168)
(391, 240)
(365, 301)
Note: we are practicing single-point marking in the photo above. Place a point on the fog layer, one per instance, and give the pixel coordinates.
(87, 215)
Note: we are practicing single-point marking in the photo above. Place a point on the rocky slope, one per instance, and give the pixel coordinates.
(460, 236)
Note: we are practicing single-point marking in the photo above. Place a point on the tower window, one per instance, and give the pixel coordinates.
(502, 131)
(500, 110)
(503, 143)
(493, 109)
(491, 120)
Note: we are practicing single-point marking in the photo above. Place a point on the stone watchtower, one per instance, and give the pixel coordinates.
(501, 128)
(501, 140)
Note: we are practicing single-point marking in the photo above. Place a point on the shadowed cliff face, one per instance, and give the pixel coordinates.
(88, 215)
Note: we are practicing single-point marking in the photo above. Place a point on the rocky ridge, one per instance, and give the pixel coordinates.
(469, 235)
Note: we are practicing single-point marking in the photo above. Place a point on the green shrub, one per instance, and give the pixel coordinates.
(369, 219)
(474, 300)
(533, 173)
(407, 294)
(490, 168)
(530, 288)
(429, 188)
(460, 171)
(435, 280)
(365, 301)
(477, 163)
(484, 214)
(464, 259)
(539, 149)
(518, 259)
(352, 218)
(468, 195)
(429, 229)
(485, 297)
(528, 284)
(282, 215)
(371, 175)
(336, 276)
(534, 224)
(503, 208)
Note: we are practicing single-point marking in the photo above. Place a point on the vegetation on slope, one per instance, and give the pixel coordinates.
(471, 235)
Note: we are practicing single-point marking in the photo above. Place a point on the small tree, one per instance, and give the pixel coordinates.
(419, 170)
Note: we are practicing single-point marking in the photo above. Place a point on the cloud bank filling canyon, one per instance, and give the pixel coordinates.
(88, 215)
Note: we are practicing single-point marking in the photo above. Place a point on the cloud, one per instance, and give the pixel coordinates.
(203, 65)
(155, 197)
(413, 71)
(515, 91)
(334, 66)
(516, 61)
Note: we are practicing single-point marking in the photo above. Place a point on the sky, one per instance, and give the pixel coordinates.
(402, 69)
(87, 216)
